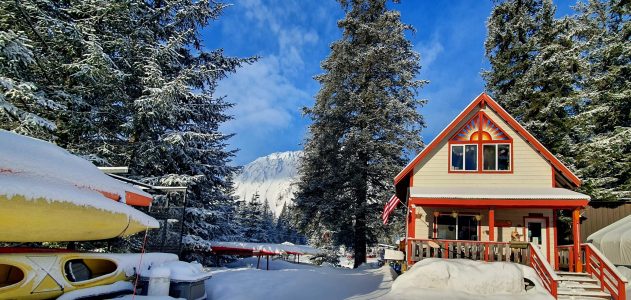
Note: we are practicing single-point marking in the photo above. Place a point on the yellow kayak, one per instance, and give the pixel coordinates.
(41, 275)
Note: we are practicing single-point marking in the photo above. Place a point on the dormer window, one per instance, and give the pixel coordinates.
(480, 146)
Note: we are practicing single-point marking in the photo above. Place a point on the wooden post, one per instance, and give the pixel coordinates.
(576, 232)
(555, 216)
(258, 261)
(411, 222)
(268, 262)
(491, 233)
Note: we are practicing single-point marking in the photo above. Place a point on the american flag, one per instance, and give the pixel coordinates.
(388, 208)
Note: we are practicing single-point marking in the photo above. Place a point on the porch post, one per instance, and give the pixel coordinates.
(491, 233)
(555, 254)
(410, 234)
(576, 237)
(491, 224)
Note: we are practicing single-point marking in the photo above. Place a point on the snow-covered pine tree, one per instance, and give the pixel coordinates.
(125, 83)
(535, 68)
(176, 118)
(603, 124)
(364, 120)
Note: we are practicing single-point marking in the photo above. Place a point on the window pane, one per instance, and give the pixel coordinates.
(471, 157)
(467, 228)
(446, 227)
(503, 157)
(456, 157)
(489, 157)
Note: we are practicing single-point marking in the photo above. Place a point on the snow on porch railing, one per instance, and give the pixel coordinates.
(597, 265)
(543, 269)
(475, 250)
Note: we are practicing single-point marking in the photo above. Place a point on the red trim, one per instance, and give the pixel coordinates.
(510, 203)
(112, 196)
(481, 100)
(576, 237)
(492, 225)
(556, 242)
(137, 200)
(412, 226)
(547, 220)
(411, 180)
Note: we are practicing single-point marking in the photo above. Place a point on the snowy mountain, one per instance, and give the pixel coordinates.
(272, 177)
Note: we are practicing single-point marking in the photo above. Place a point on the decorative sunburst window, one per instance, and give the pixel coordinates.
(480, 142)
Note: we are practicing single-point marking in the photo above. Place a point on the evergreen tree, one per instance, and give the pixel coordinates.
(603, 122)
(125, 83)
(364, 120)
(535, 68)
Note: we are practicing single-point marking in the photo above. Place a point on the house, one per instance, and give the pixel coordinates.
(485, 188)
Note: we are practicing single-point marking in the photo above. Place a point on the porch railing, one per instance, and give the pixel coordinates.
(595, 264)
(520, 252)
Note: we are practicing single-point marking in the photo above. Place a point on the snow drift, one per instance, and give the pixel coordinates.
(614, 241)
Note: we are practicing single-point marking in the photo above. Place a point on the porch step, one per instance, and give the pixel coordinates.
(578, 278)
(565, 273)
(564, 293)
(578, 285)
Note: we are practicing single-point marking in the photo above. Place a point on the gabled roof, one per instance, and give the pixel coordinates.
(481, 100)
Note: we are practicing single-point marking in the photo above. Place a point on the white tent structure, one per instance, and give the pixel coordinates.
(614, 241)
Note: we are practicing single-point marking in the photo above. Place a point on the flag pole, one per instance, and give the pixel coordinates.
(407, 215)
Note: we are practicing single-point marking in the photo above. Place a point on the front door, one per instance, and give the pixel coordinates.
(536, 233)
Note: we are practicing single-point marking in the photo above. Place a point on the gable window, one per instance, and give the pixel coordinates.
(464, 157)
(480, 142)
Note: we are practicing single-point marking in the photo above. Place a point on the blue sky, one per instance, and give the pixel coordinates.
(292, 37)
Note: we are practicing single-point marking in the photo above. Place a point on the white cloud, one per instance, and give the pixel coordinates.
(265, 99)
(429, 52)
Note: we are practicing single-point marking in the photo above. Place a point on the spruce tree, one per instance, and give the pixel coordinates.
(603, 123)
(126, 83)
(535, 68)
(365, 118)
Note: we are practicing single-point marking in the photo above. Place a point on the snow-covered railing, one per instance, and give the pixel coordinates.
(475, 250)
(543, 269)
(597, 265)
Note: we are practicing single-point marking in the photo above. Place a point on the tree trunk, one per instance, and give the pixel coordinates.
(361, 195)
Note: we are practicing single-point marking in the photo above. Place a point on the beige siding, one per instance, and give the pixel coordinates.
(530, 168)
(425, 224)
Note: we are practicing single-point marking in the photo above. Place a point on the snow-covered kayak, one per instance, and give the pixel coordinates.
(44, 211)
(48, 194)
(42, 275)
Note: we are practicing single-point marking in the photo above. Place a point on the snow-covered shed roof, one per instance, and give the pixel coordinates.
(614, 241)
(510, 193)
(30, 157)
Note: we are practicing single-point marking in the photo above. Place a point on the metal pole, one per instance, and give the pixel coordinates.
(182, 222)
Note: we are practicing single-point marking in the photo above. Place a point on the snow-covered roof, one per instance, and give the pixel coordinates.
(513, 193)
(265, 248)
(31, 157)
(614, 241)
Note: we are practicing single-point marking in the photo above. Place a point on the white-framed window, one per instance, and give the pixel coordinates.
(464, 157)
(496, 157)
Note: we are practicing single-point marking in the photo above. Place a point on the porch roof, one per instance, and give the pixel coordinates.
(494, 193)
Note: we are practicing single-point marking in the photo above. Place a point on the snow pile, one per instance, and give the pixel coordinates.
(269, 248)
(297, 281)
(178, 271)
(98, 291)
(614, 241)
(37, 169)
(29, 157)
(272, 177)
(435, 278)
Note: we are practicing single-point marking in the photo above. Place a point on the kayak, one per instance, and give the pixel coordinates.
(45, 275)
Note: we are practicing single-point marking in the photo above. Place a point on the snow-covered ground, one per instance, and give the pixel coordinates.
(430, 279)
(287, 280)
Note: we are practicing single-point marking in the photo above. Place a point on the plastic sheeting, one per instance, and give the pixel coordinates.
(614, 241)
